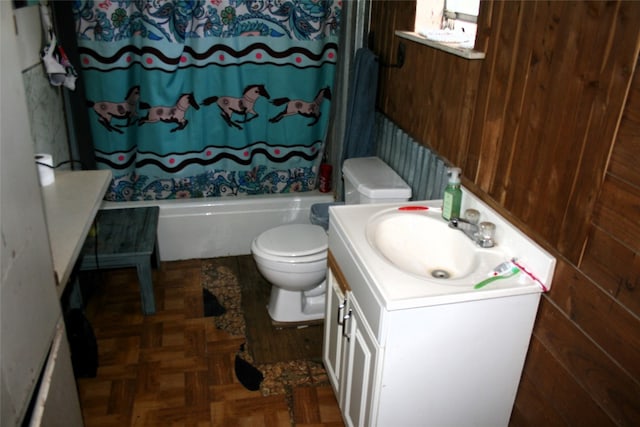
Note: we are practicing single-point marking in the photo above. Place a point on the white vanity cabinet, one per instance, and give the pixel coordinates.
(419, 361)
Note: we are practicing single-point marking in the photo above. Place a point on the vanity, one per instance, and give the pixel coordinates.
(406, 347)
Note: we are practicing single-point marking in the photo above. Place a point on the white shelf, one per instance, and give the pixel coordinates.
(452, 48)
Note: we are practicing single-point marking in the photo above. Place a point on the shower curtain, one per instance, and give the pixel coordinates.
(205, 98)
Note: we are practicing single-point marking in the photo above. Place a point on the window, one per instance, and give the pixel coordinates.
(452, 21)
(447, 25)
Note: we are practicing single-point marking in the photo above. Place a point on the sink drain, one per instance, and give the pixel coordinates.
(440, 274)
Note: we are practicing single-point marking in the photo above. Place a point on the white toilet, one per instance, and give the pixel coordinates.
(293, 257)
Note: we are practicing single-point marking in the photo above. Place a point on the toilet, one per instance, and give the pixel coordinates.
(293, 257)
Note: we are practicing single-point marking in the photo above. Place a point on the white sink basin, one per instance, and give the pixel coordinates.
(398, 246)
(423, 244)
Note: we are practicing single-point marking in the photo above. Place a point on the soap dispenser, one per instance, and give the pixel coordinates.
(452, 195)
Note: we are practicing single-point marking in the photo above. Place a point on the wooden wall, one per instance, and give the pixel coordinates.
(547, 130)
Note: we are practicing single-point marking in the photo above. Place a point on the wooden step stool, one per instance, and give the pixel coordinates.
(126, 238)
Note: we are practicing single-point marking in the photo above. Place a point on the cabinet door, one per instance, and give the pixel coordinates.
(332, 348)
(359, 361)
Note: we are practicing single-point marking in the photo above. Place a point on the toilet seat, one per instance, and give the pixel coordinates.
(293, 243)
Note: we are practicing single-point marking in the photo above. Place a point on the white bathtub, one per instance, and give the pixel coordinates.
(223, 226)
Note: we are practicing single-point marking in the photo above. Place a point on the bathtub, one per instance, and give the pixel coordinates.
(223, 226)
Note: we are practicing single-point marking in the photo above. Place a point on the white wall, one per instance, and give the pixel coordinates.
(44, 102)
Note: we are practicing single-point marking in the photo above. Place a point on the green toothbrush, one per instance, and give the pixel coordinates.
(503, 271)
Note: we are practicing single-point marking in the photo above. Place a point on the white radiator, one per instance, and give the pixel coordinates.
(422, 169)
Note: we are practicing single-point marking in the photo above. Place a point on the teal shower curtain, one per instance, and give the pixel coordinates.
(208, 98)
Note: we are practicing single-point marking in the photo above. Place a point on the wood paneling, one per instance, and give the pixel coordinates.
(610, 263)
(599, 316)
(548, 395)
(607, 384)
(626, 156)
(552, 99)
(613, 69)
(618, 202)
(493, 99)
(547, 131)
(422, 97)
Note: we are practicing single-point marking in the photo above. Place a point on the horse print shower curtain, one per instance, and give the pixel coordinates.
(205, 98)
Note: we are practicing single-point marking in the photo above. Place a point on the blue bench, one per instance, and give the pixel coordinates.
(126, 238)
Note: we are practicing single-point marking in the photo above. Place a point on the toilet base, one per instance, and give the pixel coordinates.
(293, 306)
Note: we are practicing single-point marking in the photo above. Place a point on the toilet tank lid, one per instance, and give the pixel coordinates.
(375, 179)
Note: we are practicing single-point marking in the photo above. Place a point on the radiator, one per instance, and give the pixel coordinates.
(422, 169)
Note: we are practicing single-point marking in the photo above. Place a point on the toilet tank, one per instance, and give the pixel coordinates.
(370, 180)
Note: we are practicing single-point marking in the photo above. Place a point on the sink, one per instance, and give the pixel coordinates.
(422, 244)
(412, 259)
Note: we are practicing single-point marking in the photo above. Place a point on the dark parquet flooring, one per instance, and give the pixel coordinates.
(176, 368)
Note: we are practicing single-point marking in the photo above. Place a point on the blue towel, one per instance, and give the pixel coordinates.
(361, 106)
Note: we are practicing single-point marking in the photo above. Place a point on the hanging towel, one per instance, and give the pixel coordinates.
(361, 105)
(56, 63)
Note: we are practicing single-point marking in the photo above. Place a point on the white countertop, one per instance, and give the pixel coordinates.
(396, 289)
(70, 205)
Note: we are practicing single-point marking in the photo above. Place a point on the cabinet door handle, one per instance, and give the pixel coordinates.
(341, 311)
(344, 325)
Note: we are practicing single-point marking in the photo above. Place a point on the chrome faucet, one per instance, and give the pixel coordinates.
(481, 234)
(466, 226)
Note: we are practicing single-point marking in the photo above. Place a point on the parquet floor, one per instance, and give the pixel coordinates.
(175, 368)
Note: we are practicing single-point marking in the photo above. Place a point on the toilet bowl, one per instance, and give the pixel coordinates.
(293, 257)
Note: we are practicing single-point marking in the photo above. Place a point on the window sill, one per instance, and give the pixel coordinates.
(451, 48)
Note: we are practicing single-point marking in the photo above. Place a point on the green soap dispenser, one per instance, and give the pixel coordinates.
(452, 195)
